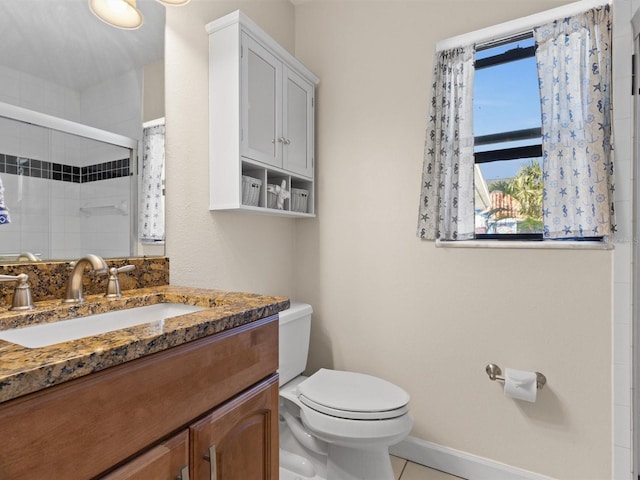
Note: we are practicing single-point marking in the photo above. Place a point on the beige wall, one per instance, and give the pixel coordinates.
(153, 91)
(426, 318)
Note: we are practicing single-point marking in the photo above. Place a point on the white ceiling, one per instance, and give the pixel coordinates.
(62, 41)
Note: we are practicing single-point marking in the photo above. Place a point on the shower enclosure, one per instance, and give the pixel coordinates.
(70, 188)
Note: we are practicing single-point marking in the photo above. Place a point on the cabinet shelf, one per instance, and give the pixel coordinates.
(267, 211)
(261, 117)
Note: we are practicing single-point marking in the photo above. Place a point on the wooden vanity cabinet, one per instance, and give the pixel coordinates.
(242, 428)
(137, 420)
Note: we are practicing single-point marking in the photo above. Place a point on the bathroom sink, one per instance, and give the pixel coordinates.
(46, 334)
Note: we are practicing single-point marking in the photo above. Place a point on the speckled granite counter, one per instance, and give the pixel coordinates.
(24, 370)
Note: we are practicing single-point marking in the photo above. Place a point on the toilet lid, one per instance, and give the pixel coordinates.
(353, 395)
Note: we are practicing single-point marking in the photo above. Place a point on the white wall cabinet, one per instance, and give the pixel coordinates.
(261, 120)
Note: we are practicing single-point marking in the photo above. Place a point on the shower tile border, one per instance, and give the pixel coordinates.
(30, 167)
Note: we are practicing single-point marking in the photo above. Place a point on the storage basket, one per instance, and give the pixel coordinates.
(299, 200)
(251, 190)
(272, 197)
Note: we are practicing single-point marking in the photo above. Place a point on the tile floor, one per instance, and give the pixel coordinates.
(405, 470)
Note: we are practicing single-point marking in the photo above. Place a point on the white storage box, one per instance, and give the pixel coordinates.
(299, 199)
(251, 190)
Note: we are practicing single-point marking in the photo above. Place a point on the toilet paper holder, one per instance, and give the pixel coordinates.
(495, 373)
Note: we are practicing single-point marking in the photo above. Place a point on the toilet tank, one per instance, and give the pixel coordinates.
(294, 332)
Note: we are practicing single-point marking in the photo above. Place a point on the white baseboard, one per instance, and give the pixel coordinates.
(459, 463)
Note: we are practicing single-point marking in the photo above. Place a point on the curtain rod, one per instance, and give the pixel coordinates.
(520, 25)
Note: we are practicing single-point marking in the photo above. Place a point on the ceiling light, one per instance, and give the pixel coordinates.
(124, 13)
(118, 13)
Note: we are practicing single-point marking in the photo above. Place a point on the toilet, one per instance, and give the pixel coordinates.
(334, 425)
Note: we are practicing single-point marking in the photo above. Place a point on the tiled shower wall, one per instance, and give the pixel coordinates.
(68, 194)
(58, 219)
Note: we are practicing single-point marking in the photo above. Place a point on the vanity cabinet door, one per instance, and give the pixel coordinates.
(261, 138)
(167, 461)
(239, 440)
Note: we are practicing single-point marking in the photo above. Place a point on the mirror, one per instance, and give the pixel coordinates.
(71, 185)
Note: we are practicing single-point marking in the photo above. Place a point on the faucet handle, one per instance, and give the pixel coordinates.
(113, 284)
(22, 294)
(126, 268)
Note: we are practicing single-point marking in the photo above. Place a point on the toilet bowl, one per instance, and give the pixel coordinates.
(335, 425)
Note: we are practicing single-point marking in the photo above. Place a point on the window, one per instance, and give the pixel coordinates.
(496, 110)
(507, 139)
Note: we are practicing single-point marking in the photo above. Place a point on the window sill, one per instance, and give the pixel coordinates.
(548, 244)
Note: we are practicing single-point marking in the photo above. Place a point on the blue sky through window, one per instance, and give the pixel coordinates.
(506, 98)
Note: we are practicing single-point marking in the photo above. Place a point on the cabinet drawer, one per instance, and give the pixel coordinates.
(86, 426)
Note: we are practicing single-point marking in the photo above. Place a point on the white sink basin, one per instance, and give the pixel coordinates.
(45, 334)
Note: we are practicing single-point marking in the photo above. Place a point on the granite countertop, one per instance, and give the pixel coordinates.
(25, 370)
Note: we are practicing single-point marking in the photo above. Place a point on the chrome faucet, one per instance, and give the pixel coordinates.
(22, 294)
(74, 287)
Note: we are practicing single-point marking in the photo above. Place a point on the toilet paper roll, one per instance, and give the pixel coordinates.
(520, 385)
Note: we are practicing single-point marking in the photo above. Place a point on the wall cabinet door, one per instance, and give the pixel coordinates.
(277, 105)
(298, 124)
(261, 136)
(167, 461)
(239, 440)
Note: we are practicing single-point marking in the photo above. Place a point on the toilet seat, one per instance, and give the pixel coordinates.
(353, 396)
(356, 433)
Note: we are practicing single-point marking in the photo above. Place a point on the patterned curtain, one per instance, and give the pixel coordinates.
(447, 196)
(4, 211)
(574, 69)
(152, 190)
